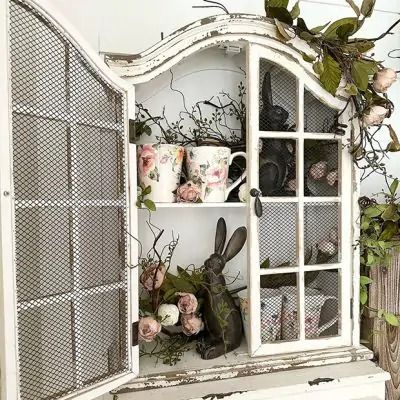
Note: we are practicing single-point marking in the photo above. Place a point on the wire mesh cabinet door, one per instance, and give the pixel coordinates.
(68, 290)
(301, 256)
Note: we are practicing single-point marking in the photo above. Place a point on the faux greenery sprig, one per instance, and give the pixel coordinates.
(380, 227)
(338, 55)
(142, 201)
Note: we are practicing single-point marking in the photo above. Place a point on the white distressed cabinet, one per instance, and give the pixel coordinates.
(69, 302)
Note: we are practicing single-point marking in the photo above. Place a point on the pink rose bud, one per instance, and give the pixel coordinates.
(318, 171)
(188, 192)
(187, 303)
(153, 276)
(327, 247)
(383, 79)
(191, 325)
(332, 177)
(292, 185)
(374, 116)
(149, 328)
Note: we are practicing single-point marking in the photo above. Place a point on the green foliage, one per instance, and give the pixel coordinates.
(168, 350)
(367, 8)
(142, 201)
(331, 74)
(378, 239)
(361, 70)
(340, 56)
(188, 280)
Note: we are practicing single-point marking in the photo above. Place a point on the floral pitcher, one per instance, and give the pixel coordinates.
(208, 166)
(160, 166)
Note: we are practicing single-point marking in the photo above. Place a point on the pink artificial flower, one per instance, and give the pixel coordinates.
(149, 328)
(153, 276)
(292, 185)
(146, 158)
(191, 324)
(383, 79)
(327, 247)
(332, 177)
(374, 116)
(188, 192)
(318, 170)
(187, 303)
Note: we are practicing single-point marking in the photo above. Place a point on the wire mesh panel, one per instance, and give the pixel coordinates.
(70, 216)
(321, 238)
(279, 308)
(322, 301)
(321, 167)
(277, 98)
(277, 167)
(46, 351)
(318, 117)
(278, 235)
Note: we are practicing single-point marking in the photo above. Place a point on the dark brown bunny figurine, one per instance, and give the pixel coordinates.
(222, 317)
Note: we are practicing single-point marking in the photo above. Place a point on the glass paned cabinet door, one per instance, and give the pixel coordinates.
(68, 157)
(300, 229)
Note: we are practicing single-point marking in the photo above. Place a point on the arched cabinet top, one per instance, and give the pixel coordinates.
(213, 31)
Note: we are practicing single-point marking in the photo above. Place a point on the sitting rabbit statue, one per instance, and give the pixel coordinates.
(222, 317)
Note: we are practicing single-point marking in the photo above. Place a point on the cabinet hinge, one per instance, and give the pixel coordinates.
(351, 308)
(135, 333)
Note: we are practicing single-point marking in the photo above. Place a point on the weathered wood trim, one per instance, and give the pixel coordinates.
(384, 294)
(213, 31)
(249, 368)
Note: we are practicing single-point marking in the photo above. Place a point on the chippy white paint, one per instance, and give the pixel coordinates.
(239, 365)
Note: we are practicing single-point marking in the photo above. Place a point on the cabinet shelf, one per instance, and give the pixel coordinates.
(200, 205)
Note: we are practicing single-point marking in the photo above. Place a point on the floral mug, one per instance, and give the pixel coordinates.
(314, 301)
(208, 167)
(160, 166)
(270, 313)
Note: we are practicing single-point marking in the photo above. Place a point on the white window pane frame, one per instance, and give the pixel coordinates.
(8, 305)
(344, 199)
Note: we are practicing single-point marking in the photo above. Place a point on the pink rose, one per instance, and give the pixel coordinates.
(191, 325)
(146, 158)
(292, 185)
(149, 328)
(318, 171)
(217, 176)
(383, 79)
(188, 192)
(327, 247)
(187, 303)
(374, 116)
(153, 276)
(332, 177)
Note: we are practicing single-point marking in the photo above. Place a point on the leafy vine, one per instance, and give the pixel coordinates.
(342, 61)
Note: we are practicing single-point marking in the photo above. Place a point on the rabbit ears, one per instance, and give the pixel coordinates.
(266, 93)
(235, 243)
